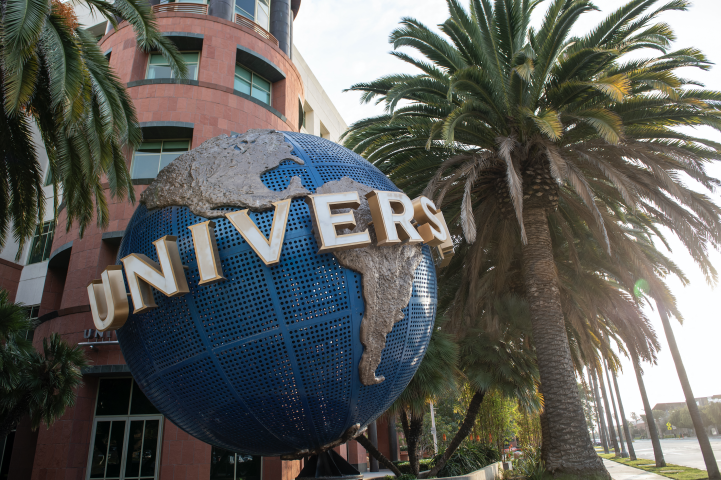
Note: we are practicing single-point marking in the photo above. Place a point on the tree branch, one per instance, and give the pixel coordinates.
(363, 440)
(473, 409)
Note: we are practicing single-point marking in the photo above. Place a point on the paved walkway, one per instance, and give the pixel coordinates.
(380, 474)
(619, 471)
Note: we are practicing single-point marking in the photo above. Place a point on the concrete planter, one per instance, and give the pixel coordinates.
(491, 472)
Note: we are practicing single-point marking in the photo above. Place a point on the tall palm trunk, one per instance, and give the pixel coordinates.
(473, 408)
(624, 453)
(708, 456)
(412, 430)
(626, 430)
(599, 412)
(609, 416)
(650, 421)
(566, 446)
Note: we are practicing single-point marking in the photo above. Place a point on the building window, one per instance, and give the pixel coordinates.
(225, 465)
(42, 242)
(158, 66)
(153, 156)
(49, 177)
(252, 84)
(301, 114)
(127, 433)
(33, 314)
(256, 10)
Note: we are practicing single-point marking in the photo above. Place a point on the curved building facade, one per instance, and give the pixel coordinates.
(242, 76)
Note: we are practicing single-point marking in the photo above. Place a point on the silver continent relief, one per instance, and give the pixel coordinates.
(225, 172)
(387, 280)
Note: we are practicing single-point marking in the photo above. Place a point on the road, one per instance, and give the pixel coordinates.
(681, 451)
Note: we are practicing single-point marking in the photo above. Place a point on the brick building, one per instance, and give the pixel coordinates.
(245, 73)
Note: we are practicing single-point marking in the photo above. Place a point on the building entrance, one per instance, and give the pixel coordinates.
(127, 433)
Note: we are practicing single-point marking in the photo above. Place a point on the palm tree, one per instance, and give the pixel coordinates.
(626, 430)
(54, 76)
(650, 422)
(435, 376)
(609, 418)
(624, 453)
(599, 415)
(40, 385)
(516, 126)
(503, 361)
(698, 425)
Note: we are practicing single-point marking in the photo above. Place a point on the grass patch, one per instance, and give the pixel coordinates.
(682, 473)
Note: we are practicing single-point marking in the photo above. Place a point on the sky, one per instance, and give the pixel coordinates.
(346, 42)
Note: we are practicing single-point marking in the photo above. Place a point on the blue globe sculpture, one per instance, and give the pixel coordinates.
(266, 362)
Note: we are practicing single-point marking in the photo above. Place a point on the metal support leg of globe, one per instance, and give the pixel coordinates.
(330, 466)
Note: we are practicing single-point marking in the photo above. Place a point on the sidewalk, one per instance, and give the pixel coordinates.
(619, 471)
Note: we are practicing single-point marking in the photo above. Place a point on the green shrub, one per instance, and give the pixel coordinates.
(530, 464)
(468, 458)
(405, 467)
(405, 476)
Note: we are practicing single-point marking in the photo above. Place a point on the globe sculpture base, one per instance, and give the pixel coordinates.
(329, 466)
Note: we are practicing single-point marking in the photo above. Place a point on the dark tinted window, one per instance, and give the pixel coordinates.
(113, 396)
(140, 404)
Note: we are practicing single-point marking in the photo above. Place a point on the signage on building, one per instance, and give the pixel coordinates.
(396, 218)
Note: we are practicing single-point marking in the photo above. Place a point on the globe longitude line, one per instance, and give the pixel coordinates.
(281, 343)
(290, 351)
(161, 373)
(356, 309)
(212, 353)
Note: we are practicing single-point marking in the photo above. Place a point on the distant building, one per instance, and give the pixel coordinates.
(700, 401)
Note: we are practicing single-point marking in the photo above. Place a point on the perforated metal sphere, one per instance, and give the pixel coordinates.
(266, 362)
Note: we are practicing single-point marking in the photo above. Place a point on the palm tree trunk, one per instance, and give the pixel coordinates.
(13, 416)
(412, 431)
(708, 455)
(599, 414)
(567, 446)
(626, 430)
(375, 453)
(609, 416)
(624, 453)
(650, 421)
(473, 408)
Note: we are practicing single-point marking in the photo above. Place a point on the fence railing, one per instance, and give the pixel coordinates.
(198, 8)
(247, 23)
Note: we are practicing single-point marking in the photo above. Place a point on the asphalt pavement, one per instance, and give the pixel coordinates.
(681, 451)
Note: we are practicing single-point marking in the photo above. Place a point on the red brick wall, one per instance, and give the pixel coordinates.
(10, 277)
(62, 450)
(276, 469)
(211, 106)
(183, 457)
(23, 453)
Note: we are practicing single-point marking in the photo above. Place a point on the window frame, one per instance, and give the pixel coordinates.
(30, 334)
(255, 14)
(235, 462)
(36, 236)
(150, 55)
(252, 84)
(127, 418)
(161, 140)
